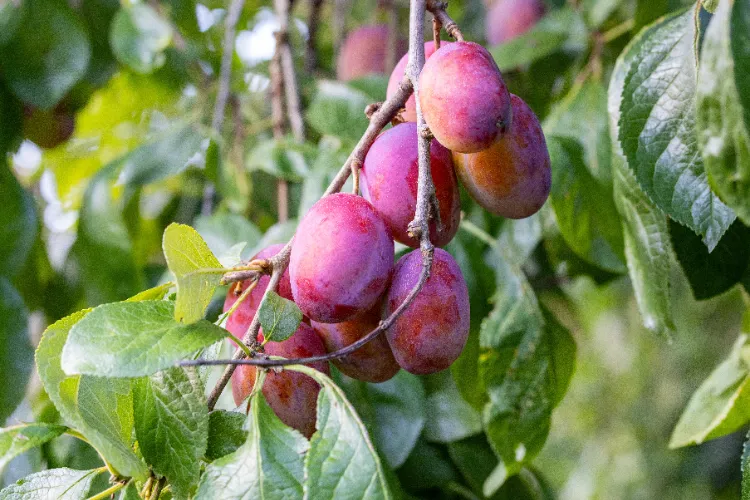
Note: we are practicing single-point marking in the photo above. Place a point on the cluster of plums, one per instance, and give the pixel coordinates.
(341, 272)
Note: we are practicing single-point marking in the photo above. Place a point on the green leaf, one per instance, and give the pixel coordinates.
(474, 458)
(721, 405)
(103, 250)
(722, 131)
(64, 391)
(133, 339)
(197, 270)
(139, 36)
(11, 15)
(16, 352)
(657, 128)
(342, 458)
(740, 40)
(129, 493)
(60, 484)
(560, 29)
(450, 417)
(279, 317)
(222, 231)
(598, 11)
(712, 273)
(585, 209)
(394, 413)
(154, 293)
(338, 110)
(49, 55)
(21, 438)
(267, 466)
(283, 159)
(648, 248)
(18, 222)
(225, 433)
(428, 467)
(171, 424)
(582, 115)
(167, 155)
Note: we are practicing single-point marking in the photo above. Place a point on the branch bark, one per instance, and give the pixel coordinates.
(311, 52)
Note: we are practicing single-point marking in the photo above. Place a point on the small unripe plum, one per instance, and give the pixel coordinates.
(341, 259)
(463, 97)
(389, 182)
(507, 19)
(513, 177)
(293, 396)
(410, 113)
(373, 362)
(431, 333)
(240, 319)
(363, 52)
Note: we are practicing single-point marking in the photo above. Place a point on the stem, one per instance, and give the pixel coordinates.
(156, 492)
(225, 73)
(109, 491)
(617, 31)
(240, 344)
(437, 9)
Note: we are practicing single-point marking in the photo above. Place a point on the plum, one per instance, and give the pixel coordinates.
(463, 97)
(410, 113)
(240, 319)
(430, 335)
(373, 362)
(364, 52)
(389, 182)
(342, 258)
(507, 19)
(513, 177)
(293, 396)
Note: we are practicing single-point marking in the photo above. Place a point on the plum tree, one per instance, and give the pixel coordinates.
(513, 177)
(373, 362)
(389, 182)
(244, 313)
(292, 396)
(507, 19)
(410, 109)
(463, 97)
(430, 335)
(364, 52)
(341, 259)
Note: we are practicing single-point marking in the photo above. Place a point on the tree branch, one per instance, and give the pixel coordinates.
(311, 52)
(437, 9)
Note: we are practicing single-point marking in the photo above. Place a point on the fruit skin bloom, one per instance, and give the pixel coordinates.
(463, 97)
(431, 333)
(342, 258)
(513, 177)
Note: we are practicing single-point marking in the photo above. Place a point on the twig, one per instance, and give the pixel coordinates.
(355, 176)
(437, 9)
(393, 38)
(225, 73)
(436, 27)
(311, 52)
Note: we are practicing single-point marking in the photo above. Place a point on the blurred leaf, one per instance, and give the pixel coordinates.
(585, 209)
(722, 132)
(18, 222)
(657, 128)
(373, 85)
(394, 413)
(648, 248)
(279, 317)
(168, 155)
(197, 270)
(171, 424)
(428, 466)
(11, 124)
(63, 391)
(11, 15)
(284, 160)
(268, 464)
(225, 433)
(117, 118)
(60, 484)
(712, 273)
(133, 339)
(560, 29)
(21, 438)
(648, 11)
(129, 493)
(16, 352)
(740, 43)
(450, 418)
(746, 469)
(582, 115)
(224, 230)
(474, 458)
(155, 293)
(338, 110)
(598, 11)
(721, 405)
(103, 250)
(49, 55)
(340, 444)
(139, 37)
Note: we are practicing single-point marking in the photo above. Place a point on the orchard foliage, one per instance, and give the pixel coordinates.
(157, 157)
